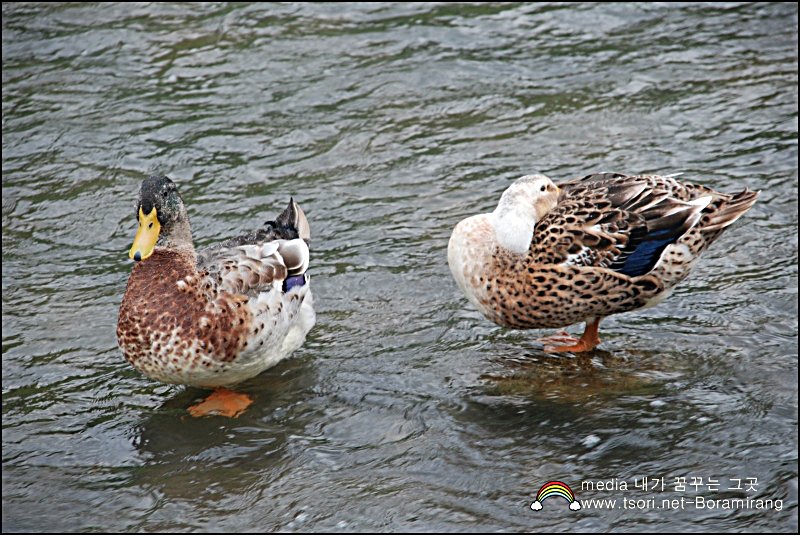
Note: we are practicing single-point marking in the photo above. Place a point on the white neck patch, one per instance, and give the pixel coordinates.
(513, 231)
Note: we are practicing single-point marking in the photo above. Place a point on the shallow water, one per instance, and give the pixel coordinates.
(405, 409)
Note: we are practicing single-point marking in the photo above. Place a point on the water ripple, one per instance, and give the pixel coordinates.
(405, 410)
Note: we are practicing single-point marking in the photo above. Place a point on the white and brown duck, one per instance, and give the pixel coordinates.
(218, 316)
(553, 255)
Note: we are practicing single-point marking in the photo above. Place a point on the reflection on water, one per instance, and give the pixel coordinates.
(574, 379)
(389, 123)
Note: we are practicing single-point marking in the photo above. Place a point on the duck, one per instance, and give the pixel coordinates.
(553, 255)
(214, 317)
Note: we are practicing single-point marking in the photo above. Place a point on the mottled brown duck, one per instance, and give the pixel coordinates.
(550, 256)
(218, 316)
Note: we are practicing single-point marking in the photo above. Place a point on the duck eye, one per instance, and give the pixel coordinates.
(543, 187)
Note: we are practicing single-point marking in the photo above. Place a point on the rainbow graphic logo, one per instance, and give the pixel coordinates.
(555, 488)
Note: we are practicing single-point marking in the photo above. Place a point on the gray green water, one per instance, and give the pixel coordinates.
(405, 409)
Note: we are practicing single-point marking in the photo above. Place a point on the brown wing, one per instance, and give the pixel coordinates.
(613, 221)
(252, 269)
(251, 263)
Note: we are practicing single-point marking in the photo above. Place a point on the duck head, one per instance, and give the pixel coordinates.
(522, 205)
(162, 219)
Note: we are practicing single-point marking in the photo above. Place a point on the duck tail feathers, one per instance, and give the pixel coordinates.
(294, 218)
(730, 209)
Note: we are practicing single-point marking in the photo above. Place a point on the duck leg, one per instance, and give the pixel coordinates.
(222, 402)
(588, 341)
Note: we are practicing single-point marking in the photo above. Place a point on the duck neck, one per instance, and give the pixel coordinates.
(513, 230)
(179, 237)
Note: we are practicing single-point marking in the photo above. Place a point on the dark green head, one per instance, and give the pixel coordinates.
(162, 218)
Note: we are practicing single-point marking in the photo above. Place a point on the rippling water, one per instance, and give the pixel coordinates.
(405, 410)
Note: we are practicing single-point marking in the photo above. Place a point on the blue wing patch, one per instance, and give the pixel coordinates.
(294, 281)
(645, 256)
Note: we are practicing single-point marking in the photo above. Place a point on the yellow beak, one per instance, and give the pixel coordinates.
(146, 236)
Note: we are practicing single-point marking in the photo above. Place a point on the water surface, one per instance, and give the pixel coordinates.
(405, 409)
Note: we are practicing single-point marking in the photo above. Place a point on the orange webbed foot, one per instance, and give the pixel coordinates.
(222, 402)
(580, 346)
(588, 341)
(562, 337)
